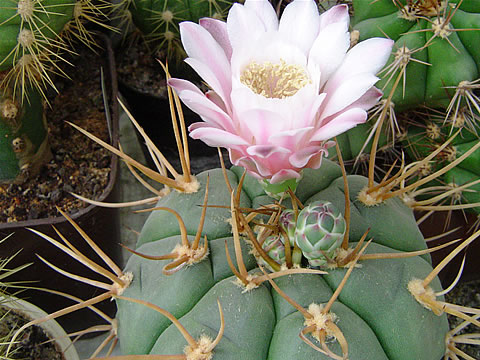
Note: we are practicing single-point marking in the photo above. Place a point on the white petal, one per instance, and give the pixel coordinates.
(329, 49)
(335, 14)
(218, 30)
(300, 23)
(348, 92)
(341, 123)
(368, 56)
(265, 11)
(243, 25)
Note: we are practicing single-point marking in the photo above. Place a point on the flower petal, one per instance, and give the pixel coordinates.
(202, 48)
(300, 32)
(341, 123)
(329, 49)
(242, 23)
(265, 11)
(218, 30)
(301, 158)
(335, 14)
(347, 92)
(208, 110)
(283, 175)
(368, 56)
(216, 137)
(265, 151)
(222, 88)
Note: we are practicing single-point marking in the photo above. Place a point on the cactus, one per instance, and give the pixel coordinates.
(158, 21)
(422, 139)
(259, 323)
(23, 136)
(35, 36)
(436, 46)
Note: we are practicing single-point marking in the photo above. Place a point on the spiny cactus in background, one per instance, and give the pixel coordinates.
(436, 46)
(23, 136)
(35, 35)
(158, 21)
(426, 137)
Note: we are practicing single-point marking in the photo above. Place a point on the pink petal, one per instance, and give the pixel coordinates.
(217, 100)
(335, 14)
(283, 175)
(208, 110)
(300, 24)
(222, 87)
(181, 85)
(218, 30)
(341, 123)
(265, 151)
(265, 11)
(291, 138)
(347, 92)
(301, 158)
(369, 99)
(216, 137)
(260, 124)
(202, 48)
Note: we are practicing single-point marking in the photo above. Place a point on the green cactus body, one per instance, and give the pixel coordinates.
(422, 141)
(23, 136)
(30, 27)
(158, 20)
(453, 55)
(378, 316)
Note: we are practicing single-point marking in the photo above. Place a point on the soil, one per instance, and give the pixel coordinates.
(78, 165)
(33, 343)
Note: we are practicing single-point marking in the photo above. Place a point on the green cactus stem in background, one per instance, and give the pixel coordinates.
(23, 136)
(35, 35)
(436, 46)
(158, 21)
(423, 139)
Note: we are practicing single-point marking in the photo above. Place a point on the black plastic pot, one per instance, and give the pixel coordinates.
(101, 224)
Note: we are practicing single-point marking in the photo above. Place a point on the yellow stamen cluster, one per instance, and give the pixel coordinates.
(280, 80)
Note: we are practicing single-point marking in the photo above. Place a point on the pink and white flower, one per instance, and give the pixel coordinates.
(280, 89)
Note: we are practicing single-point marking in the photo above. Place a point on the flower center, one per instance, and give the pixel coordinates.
(270, 80)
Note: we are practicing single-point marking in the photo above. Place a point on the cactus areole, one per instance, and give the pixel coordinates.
(436, 40)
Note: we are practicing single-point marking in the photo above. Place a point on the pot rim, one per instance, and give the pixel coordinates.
(51, 327)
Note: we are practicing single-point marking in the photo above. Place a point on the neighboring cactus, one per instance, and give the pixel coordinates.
(34, 34)
(374, 304)
(23, 136)
(436, 46)
(421, 140)
(158, 20)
